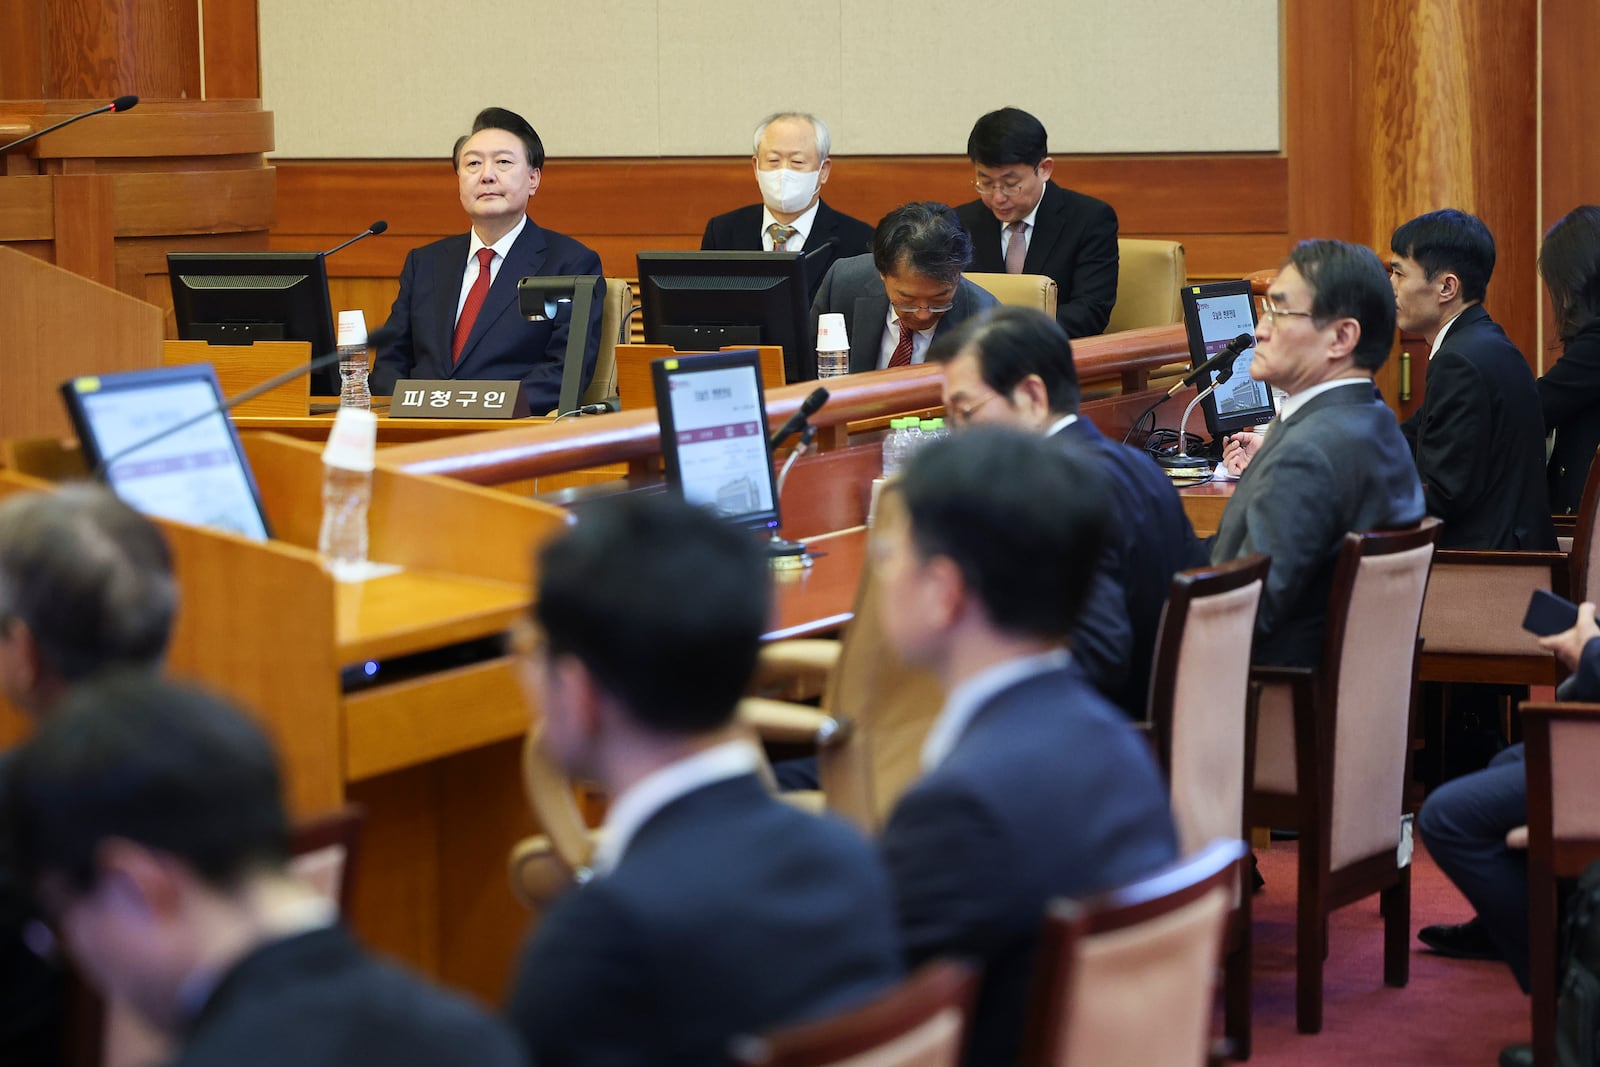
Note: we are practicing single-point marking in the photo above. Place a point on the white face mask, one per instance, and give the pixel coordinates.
(786, 190)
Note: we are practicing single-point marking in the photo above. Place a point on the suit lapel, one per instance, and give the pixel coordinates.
(986, 254)
(866, 331)
(449, 270)
(1048, 224)
(525, 257)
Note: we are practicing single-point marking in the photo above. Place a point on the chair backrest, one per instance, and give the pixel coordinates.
(1584, 582)
(1199, 695)
(887, 708)
(323, 850)
(1369, 672)
(1022, 290)
(1128, 977)
(614, 313)
(555, 807)
(920, 1023)
(1563, 750)
(1149, 276)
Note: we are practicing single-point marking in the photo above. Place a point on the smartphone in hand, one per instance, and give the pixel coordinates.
(1549, 614)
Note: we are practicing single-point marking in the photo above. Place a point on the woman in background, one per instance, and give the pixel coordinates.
(1569, 393)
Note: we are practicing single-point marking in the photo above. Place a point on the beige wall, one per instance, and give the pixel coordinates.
(401, 78)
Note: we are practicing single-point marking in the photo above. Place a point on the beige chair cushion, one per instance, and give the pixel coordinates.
(1019, 290)
(1149, 275)
(618, 302)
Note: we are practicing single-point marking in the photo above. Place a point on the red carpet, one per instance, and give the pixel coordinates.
(1452, 1012)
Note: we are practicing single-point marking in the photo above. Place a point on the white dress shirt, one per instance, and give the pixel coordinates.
(469, 273)
(802, 228)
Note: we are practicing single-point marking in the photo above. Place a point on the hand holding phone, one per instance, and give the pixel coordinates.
(1549, 614)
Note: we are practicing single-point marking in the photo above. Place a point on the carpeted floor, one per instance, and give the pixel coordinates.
(1452, 1012)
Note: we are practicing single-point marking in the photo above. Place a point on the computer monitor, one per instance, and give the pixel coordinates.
(1215, 314)
(713, 418)
(702, 301)
(197, 474)
(238, 298)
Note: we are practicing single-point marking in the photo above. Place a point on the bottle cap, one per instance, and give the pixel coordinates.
(831, 336)
(927, 425)
(353, 441)
(352, 328)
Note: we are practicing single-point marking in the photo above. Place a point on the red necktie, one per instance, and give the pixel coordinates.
(469, 311)
(902, 347)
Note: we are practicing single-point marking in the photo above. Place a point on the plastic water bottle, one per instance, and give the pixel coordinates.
(930, 431)
(347, 490)
(833, 346)
(894, 443)
(913, 439)
(353, 392)
(940, 431)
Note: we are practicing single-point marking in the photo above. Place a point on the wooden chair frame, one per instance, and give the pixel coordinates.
(1314, 693)
(1188, 587)
(936, 987)
(1549, 860)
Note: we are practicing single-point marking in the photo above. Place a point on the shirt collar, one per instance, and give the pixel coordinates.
(643, 800)
(1438, 338)
(964, 702)
(1061, 424)
(502, 246)
(802, 225)
(1295, 401)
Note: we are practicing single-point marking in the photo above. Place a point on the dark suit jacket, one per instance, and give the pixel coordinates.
(1150, 540)
(1478, 440)
(318, 1000)
(729, 913)
(1050, 792)
(855, 289)
(503, 344)
(1074, 242)
(1339, 465)
(1569, 394)
(31, 990)
(834, 236)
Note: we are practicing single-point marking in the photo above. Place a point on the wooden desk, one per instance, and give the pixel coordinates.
(818, 601)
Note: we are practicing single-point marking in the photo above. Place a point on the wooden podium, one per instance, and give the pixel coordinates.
(60, 325)
(433, 757)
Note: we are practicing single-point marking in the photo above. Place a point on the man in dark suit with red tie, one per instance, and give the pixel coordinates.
(457, 314)
(791, 166)
(1024, 223)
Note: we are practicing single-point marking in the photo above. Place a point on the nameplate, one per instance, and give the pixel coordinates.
(424, 398)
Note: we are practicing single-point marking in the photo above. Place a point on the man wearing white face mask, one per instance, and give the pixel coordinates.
(791, 166)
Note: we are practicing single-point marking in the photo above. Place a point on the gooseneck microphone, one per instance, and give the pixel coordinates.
(378, 337)
(121, 103)
(808, 408)
(1184, 465)
(376, 228)
(1227, 355)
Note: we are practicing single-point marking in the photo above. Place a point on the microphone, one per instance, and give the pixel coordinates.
(808, 408)
(380, 336)
(1226, 356)
(121, 103)
(376, 228)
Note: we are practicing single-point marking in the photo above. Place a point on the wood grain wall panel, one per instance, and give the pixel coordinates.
(104, 48)
(83, 227)
(22, 49)
(177, 202)
(1319, 117)
(225, 127)
(1570, 115)
(27, 212)
(230, 56)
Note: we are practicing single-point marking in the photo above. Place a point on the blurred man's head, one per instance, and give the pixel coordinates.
(648, 617)
(147, 817)
(1009, 366)
(1010, 162)
(86, 586)
(791, 162)
(989, 540)
(1328, 314)
(920, 250)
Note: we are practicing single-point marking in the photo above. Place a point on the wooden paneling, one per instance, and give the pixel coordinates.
(221, 128)
(21, 49)
(174, 202)
(230, 52)
(103, 48)
(83, 226)
(1570, 151)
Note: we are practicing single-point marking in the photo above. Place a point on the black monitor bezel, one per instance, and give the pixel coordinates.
(661, 370)
(1218, 425)
(786, 268)
(314, 325)
(94, 457)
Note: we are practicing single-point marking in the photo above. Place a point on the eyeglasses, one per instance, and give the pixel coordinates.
(1272, 312)
(961, 416)
(929, 309)
(1011, 189)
